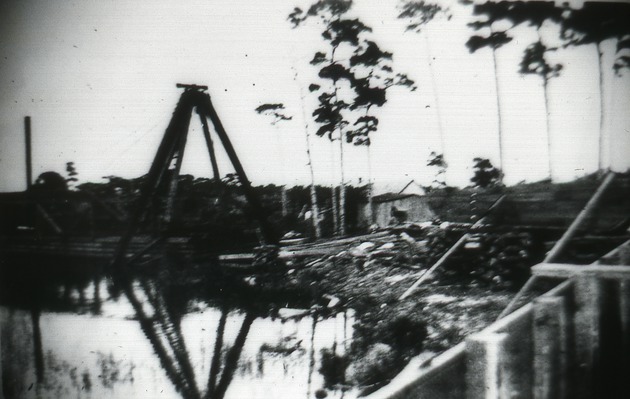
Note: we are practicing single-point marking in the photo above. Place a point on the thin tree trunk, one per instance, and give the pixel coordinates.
(340, 229)
(283, 188)
(342, 190)
(436, 96)
(547, 119)
(340, 219)
(311, 362)
(370, 192)
(499, 119)
(333, 187)
(314, 207)
(285, 200)
(549, 145)
(97, 303)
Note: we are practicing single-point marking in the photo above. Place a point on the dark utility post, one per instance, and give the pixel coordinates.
(27, 141)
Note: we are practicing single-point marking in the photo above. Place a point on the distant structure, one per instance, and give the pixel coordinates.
(409, 205)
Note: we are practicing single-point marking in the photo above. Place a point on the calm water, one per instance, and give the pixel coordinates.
(80, 341)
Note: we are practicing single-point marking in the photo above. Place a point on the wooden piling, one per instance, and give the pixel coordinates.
(550, 351)
(588, 302)
(484, 357)
(624, 315)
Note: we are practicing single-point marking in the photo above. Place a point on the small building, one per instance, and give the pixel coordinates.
(408, 205)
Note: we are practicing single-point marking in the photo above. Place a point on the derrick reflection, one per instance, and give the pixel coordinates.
(158, 329)
(160, 315)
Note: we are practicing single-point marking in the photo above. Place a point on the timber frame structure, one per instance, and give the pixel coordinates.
(167, 163)
(570, 342)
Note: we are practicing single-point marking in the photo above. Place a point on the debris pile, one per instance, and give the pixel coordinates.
(497, 259)
(369, 273)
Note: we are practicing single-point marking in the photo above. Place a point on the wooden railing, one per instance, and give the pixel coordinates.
(571, 342)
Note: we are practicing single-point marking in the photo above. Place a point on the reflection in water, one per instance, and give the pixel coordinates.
(164, 336)
(216, 356)
(76, 340)
(37, 345)
(231, 361)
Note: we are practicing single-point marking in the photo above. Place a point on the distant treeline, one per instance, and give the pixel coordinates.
(218, 210)
(217, 214)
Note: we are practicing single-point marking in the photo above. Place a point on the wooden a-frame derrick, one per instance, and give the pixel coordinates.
(167, 163)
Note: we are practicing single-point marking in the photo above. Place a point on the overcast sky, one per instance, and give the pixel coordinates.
(98, 79)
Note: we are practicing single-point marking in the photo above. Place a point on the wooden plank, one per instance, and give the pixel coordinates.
(437, 264)
(550, 352)
(484, 357)
(515, 302)
(559, 270)
(452, 250)
(49, 219)
(619, 252)
(581, 217)
(442, 376)
(562, 242)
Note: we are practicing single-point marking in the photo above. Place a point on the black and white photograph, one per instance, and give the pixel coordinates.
(309, 199)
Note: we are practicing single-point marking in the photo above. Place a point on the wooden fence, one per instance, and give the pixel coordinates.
(571, 342)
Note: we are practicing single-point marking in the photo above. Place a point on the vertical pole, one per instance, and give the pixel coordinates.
(550, 337)
(37, 345)
(588, 302)
(27, 141)
(624, 310)
(96, 302)
(5, 356)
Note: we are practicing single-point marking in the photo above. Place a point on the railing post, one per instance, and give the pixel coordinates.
(624, 310)
(484, 372)
(550, 338)
(588, 294)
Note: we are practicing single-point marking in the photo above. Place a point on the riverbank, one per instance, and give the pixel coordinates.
(364, 275)
(369, 274)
